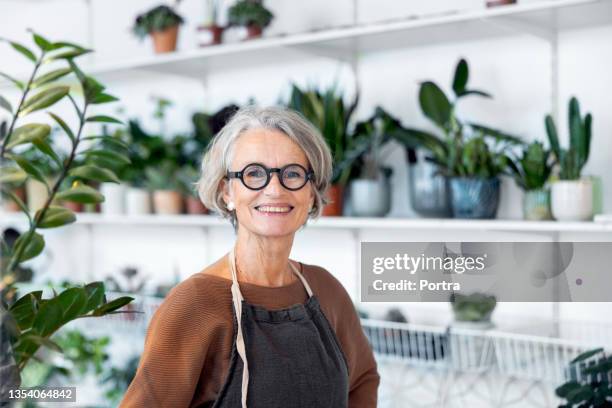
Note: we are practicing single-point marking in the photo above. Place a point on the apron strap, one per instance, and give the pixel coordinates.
(237, 300)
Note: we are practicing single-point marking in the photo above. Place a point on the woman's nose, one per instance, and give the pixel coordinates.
(274, 186)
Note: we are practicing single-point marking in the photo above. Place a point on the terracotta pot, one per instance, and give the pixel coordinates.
(253, 31)
(74, 207)
(9, 205)
(210, 35)
(495, 3)
(165, 41)
(336, 195)
(193, 205)
(167, 202)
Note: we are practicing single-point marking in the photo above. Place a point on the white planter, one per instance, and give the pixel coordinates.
(137, 201)
(370, 198)
(572, 200)
(114, 198)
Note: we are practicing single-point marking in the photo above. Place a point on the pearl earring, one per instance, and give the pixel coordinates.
(231, 206)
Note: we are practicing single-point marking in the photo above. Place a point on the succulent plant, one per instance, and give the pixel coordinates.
(476, 307)
(532, 170)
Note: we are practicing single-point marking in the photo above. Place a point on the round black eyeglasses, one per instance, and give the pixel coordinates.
(256, 176)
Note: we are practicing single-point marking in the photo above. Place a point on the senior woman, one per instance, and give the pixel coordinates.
(255, 328)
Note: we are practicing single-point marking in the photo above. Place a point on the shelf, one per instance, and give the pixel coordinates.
(348, 223)
(540, 18)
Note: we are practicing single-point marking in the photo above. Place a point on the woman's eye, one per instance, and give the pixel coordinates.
(255, 173)
(293, 174)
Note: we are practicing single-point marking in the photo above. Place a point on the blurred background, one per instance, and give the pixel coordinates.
(449, 120)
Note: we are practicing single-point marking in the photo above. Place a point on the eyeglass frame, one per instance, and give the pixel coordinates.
(239, 175)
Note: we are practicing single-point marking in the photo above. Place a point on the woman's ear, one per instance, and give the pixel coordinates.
(225, 188)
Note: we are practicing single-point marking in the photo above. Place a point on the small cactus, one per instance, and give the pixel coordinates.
(571, 160)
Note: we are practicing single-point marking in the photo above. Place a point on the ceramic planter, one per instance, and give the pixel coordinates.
(137, 201)
(334, 207)
(167, 202)
(536, 205)
(429, 191)
(572, 200)
(253, 31)
(210, 35)
(114, 198)
(165, 41)
(474, 198)
(370, 198)
(194, 206)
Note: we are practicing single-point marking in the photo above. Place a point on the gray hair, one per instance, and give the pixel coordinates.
(217, 159)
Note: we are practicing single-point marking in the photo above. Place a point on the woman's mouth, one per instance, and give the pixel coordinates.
(271, 210)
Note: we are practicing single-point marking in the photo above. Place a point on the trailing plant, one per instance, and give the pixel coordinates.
(532, 170)
(446, 151)
(571, 160)
(476, 307)
(594, 389)
(327, 111)
(159, 18)
(30, 321)
(249, 13)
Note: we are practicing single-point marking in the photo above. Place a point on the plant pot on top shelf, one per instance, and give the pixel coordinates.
(572, 200)
(336, 201)
(429, 189)
(114, 198)
(210, 35)
(163, 181)
(162, 24)
(252, 15)
(474, 198)
(371, 197)
(167, 202)
(137, 201)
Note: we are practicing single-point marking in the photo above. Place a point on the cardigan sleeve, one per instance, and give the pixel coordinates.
(342, 315)
(173, 355)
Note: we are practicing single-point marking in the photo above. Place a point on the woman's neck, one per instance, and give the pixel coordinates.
(264, 261)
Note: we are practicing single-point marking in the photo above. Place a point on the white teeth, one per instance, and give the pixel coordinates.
(273, 209)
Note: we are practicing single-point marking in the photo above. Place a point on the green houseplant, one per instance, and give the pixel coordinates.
(328, 112)
(29, 321)
(572, 195)
(250, 14)
(474, 309)
(162, 24)
(449, 152)
(531, 172)
(590, 382)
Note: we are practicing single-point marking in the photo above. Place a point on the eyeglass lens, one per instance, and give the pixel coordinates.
(292, 177)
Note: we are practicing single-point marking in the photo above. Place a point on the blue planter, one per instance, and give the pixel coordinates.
(429, 191)
(474, 198)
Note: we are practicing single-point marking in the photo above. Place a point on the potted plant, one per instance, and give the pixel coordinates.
(370, 191)
(572, 195)
(590, 381)
(210, 32)
(327, 111)
(473, 311)
(162, 24)
(250, 14)
(163, 182)
(187, 176)
(531, 172)
(429, 173)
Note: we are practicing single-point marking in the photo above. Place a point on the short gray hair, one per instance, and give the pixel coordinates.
(217, 159)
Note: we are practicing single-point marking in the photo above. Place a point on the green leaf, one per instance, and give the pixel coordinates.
(109, 139)
(112, 305)
(27, 134)
(42, 42)
(95, 173)
(72, 302)
(48, 319)
(34, 245)
(104, 119)
(17, 83)
(95, 296)
(10, 175)
(5, 104)
(63, 125)
(81, 194)
(25, 308)
(17, 201)
(31, 169)
(475, 92)
(55, 216)
(110, 155)
(44, 147)
(62, 44)
(461, 77)
(553, 138)
(586, 355)
(566, 388)
(25, 51)
(43, 341)
(435, 104)
(68, 55)
(50, 76)
(44, 99)
(103, 98)
(92, 88)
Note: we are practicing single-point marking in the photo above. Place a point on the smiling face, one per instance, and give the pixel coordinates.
(273, 211)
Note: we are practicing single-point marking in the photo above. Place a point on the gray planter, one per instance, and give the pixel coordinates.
(474, 198)
(429, 191)
(370, 198)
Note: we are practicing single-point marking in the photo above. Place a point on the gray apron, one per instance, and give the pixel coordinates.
(287, 358)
